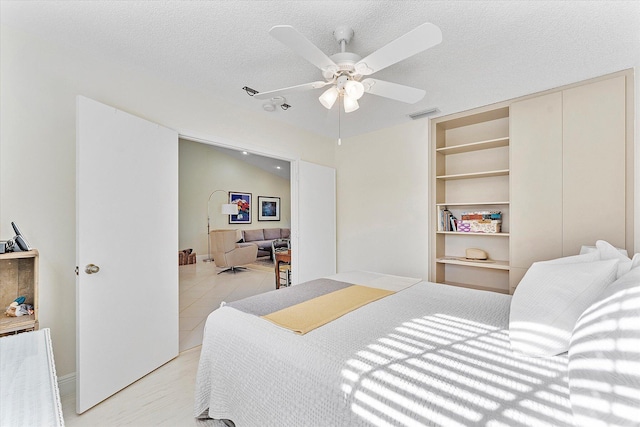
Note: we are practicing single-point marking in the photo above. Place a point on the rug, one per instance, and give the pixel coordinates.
(264, 264)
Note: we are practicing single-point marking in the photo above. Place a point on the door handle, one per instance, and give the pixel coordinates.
(91, 269)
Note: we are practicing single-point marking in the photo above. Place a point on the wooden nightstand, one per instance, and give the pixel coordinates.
(19, 277)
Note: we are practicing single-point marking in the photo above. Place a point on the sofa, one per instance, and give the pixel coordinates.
(263, 238)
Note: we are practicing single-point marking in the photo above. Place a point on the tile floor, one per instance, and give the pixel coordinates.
(202, 290)
(162, 398)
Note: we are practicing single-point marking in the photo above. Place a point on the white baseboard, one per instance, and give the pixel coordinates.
(67, 384)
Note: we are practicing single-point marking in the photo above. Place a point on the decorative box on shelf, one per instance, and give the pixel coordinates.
(480, 222)
(485, 226)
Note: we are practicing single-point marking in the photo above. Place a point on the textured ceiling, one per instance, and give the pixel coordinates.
(491, 51)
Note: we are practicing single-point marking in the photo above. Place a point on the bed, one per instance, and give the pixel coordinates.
(29, 394)
(427, 355)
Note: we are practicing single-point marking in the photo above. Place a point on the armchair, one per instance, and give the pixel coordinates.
(226, 253)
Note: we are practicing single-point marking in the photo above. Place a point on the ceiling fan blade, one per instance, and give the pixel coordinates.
(292, 89)
(402, 93)
(290, 37)
(415, 41)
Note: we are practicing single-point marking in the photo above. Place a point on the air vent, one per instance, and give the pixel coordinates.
(275, 101)
(424, 113)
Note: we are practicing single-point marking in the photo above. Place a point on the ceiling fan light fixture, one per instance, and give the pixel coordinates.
(350, 104)
(354, 89)
(328, 98)
(363, 68)
(344, 70)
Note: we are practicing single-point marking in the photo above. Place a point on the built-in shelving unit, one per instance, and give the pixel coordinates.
(542, 160)
(470, 172)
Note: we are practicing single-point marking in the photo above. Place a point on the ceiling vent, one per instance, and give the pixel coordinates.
(424, 113)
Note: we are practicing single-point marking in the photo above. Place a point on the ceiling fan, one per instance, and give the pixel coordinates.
(344, 71)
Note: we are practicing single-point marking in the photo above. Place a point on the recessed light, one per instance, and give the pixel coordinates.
(245, 153)
(278, 167)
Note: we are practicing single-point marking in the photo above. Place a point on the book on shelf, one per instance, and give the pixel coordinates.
(469, 222)
(446, 220)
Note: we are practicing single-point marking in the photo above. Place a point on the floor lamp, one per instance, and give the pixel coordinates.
(225, 209)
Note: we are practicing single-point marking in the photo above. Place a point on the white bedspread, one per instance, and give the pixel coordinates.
(29, 393)
(428, 355)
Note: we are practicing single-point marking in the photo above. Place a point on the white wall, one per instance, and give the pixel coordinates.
(382, 201)
(39, 83)
(203, 169)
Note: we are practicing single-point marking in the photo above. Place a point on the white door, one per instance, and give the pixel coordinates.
(127, 225)
(314, 253)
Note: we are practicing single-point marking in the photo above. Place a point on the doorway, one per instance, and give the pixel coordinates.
(207, 173)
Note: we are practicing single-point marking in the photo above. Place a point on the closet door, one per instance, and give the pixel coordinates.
(536, 181)
(593, 164)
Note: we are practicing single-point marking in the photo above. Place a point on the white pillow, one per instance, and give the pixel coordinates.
(548, 301)
(604, 357)
(574, 259)
(587, 249)
(608, 251)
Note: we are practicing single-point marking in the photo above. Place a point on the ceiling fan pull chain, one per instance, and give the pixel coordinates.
(339, 124)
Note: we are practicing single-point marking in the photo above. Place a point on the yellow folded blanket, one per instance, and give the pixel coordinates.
(306, 316)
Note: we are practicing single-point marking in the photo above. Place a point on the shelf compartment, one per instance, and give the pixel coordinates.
(474, 146)
(19, 277)
(468, 233)
(486, 174)
(20, 323)
(17, 255)
(474, 204)
(496, 265)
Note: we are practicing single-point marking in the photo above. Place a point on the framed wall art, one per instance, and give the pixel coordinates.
(268, 208)
(243, 200)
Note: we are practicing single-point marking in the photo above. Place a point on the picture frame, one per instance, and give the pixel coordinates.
(268, 208)
(243, 200)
